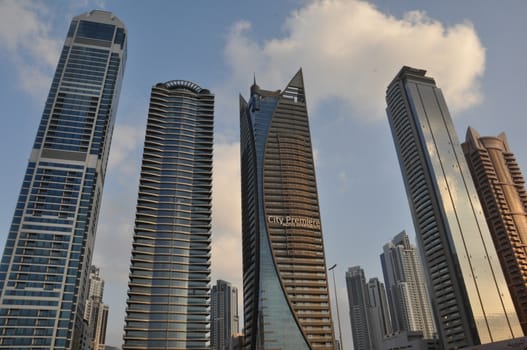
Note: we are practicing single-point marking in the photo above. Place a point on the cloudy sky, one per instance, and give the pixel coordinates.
(349, 51)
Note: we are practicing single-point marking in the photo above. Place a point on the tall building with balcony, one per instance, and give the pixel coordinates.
(379, 314)
(470, 299)
(286, 296)
(369, 310)
(224, 318)
(501, 189)
(169, 284)
(47, 258)
(358, 304)
(96, 314)
(410, 306)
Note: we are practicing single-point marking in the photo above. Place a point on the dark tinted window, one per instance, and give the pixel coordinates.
(119, 37)
(71, 31)
(94, 30)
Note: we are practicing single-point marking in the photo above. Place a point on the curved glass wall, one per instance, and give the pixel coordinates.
(169, 286)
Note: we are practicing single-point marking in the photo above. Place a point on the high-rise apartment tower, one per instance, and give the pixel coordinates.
(169, 285)
(501, 189)
(96, 314)
(369, 310)
(47, 257)
(469, 294)
(405, 284)
(286, 297)
(224, 318)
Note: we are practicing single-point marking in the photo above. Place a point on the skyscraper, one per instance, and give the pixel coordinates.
(224, 318)
(169, 285)
(96, 314)
(286, 297)
(369, 315)
(403, 275)
(358, 304)
(379, 314)
(470, 300)
(47, 257)
(501, 189)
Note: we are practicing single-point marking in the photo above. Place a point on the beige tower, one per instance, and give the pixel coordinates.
(501, 189)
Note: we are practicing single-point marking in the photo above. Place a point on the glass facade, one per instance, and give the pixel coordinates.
(47, 257)
(286, 300)
(469, 294)
(169, 286)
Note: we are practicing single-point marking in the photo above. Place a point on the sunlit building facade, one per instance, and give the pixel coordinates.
(286, 297)
(47, 257)
(224, 317)
(96, 314)
(501, 189)
(469, 294)
(405, 285)
(169, 285)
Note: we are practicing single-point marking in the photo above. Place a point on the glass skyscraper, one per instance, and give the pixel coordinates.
(286, 298)
(47, 257)
(169, 286)
(469, 294)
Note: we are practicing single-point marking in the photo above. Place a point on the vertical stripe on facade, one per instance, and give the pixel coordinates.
(169, 285)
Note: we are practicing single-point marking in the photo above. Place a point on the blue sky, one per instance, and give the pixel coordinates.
(349, 51)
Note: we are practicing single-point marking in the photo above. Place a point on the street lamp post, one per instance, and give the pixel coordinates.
(332, 269)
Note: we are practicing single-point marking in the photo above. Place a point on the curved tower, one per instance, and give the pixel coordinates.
(169, 286)
(286, 298)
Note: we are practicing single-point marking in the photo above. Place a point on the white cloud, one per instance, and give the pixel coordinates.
(226, 235)
(349, 50)
(27, 42)
(127, 142)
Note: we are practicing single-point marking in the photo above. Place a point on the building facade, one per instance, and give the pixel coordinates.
(410, 306)
(169, 285)
(409, 341)
(96, 314)
(379, 314)
(358, 304)
(224, 318)
(469, 294)
(369, 310)
(286, 296)
(501, 189)
(47, 257)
